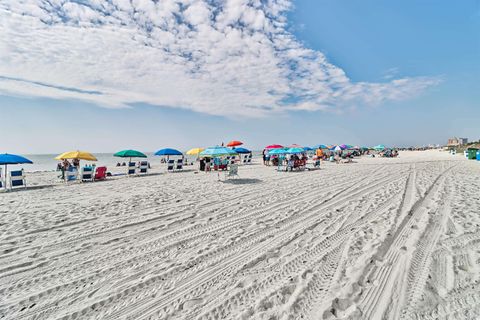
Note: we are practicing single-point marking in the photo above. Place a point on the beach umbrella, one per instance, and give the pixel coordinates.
(168, 152)
(6, 159)
(295, 150)
(336, 148)
(129, 154)
(343, 146)
(277, 151)
(79, 155)
(379, 147)
(217, 152)
(274, 146)
(320, 146)
(195, 151)
(307, 149)
(242, 150)
(234, 143)
(295, 146)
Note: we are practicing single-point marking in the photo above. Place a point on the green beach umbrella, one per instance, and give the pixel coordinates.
(129, 154)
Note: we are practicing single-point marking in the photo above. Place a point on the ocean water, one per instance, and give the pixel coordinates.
(47, 162)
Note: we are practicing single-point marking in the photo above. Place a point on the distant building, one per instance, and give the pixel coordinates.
(455, 142)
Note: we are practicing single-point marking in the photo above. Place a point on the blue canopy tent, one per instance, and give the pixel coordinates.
(6, 159)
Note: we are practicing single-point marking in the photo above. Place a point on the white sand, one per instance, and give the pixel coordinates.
(377, 239)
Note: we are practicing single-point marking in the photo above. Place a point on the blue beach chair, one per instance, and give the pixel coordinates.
(87, 174)
(17, 179)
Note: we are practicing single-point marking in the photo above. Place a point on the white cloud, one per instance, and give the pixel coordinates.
(223, 57)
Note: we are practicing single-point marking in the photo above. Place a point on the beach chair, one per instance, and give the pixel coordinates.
(100, 173)
(131, 169)
(249, 160)
(71, 174)
(232, 171)
(87, 174)
(17, 179)
(171, 165)
(143, 167)
(179, 165)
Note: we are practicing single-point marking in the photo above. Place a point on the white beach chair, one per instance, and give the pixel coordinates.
(143, 169)
(87, 174)
(179, 165)
(232, 171)
(17, 179)
(131, 169)
(171, 165)
(249, 160)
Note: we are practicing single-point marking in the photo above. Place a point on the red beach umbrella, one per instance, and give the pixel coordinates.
(274, 146)
(234, 143)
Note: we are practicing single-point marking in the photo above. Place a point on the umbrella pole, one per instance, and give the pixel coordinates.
(5, 178)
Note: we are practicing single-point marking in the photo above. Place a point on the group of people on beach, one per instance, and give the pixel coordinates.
(65, 165)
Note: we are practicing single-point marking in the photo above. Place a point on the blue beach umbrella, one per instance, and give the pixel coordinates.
(295, 150)
(277, 151)
(217, 151)
(168, 152)
(241, 150)
(320, 146)
(307, 149)
(6, 159)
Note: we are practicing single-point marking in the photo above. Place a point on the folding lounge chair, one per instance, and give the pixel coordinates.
(17, 179)
(71, 174)
(100, 173)
(87, 174)
(249, 159)
(131, 168)
(143, 167)
(232, 171)
(171, 165)
(179, 164)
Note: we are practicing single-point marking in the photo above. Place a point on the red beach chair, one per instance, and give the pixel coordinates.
(100, 173)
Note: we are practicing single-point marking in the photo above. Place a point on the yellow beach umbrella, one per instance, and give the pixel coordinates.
(195, 151)
(80, 155)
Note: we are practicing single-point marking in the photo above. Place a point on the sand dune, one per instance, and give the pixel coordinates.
(377, 239)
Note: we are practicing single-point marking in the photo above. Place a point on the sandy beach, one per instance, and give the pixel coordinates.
(375, 239)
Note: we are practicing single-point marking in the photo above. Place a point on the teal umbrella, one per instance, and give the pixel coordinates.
(379, 147)
(277, 151)
(129, 154)
(217, 151)
(295, 150)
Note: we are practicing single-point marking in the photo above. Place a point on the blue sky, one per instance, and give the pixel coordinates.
(307, 72)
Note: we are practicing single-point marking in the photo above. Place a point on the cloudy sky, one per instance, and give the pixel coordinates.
(103, 75)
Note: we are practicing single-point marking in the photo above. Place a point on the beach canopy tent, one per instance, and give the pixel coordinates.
(195, 151)
(79, 155)
(234, 143)
(274, 146)
(379, 147)
(242, 150)
(6, 159)
(130, 154)
(217, 151)
(168, 152)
